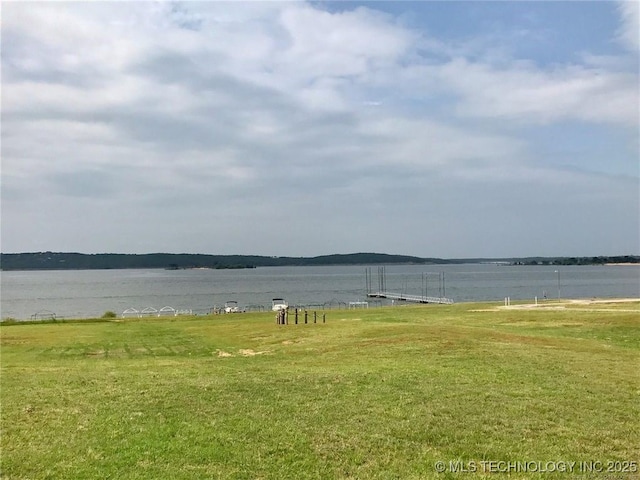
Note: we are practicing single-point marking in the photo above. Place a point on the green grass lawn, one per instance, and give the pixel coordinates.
(382, 393)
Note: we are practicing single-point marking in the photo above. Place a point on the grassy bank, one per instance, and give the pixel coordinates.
(380, 393)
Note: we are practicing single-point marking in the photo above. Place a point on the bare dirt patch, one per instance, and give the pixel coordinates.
(244, 352)
(597, 305)
(96, 353)
(250, 353)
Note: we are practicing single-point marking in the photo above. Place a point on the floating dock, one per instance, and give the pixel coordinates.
(410, 298)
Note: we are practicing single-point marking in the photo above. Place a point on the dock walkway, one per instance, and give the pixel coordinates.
(410, 298)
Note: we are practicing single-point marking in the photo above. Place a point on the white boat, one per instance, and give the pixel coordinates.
(278, 304)
(231, 307)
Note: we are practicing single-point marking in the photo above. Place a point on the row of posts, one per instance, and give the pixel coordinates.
(282, 317)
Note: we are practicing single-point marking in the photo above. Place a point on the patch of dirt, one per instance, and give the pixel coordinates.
(250, 353)
(245, 352)
(567, 304)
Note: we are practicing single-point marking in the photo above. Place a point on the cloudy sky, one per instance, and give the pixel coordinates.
(444, 129)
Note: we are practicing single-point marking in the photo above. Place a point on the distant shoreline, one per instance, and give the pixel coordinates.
(575, 304)
(180, 261)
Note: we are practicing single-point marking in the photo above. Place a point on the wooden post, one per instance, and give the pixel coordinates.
(324, 318)
(296, 316)
(314, 316)
(305, 316)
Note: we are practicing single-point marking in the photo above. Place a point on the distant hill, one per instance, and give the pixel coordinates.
(175, 261)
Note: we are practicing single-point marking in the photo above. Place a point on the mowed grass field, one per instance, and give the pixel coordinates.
(383, 393)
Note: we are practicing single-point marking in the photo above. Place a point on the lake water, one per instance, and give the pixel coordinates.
(90, 293)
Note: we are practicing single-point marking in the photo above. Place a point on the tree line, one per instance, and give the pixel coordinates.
(175, 261)
(600, 260)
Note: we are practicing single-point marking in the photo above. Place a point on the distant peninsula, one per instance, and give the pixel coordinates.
(177, 261)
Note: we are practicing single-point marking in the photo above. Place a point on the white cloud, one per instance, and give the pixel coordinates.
(629, 32)
(527, 94)
(427, 144)
(341, 44)
(195, 113)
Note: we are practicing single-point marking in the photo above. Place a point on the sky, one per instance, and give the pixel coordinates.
(452, 129)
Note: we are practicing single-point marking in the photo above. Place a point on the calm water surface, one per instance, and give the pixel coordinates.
(90, 293)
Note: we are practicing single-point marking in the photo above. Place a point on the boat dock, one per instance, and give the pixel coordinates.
(410, 298)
